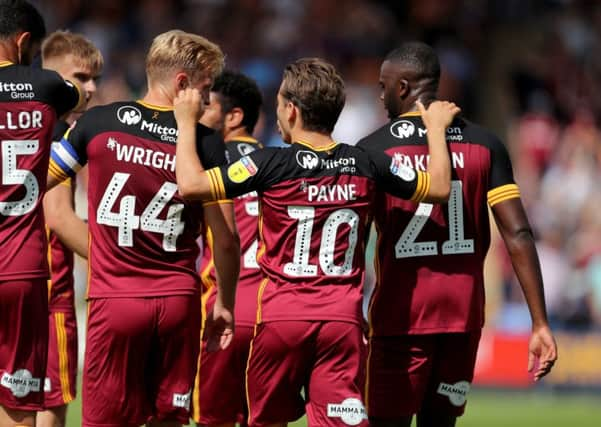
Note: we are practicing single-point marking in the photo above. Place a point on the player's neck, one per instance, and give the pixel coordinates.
(314, 139)
(236, 134)
(411, 108)
(7, 54)
(159, 96)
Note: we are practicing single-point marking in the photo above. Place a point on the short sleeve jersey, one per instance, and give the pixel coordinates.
(315, 207)
(60, 258)
(430, 257)
(31, 100)
(246, 208)
(142, 233)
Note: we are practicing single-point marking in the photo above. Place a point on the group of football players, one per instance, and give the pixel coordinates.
(268, 327)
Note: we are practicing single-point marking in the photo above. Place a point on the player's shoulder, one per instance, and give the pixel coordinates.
(404, 130)
(59, 130)
(99, 116)
(241, 147)
(475, 133)
(25, 83)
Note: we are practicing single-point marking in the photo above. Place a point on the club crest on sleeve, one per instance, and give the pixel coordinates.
(245, 149)
(241, 170)
(398, 167)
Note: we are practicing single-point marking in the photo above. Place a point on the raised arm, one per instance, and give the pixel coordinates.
(437, 118)
(517, 234)
(192, 180)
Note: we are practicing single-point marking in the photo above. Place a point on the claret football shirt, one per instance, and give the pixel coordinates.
(315, 207)
(142, 233)
(31, 101)
(430, 258)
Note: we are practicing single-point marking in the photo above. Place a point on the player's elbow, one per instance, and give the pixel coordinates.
(439, 192)
(54, 222)
(519, 239)
(194, 187)
(55, 216)
(186, 191)
(189, 191)
(228, 243)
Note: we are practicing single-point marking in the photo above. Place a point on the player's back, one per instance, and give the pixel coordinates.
(246, 208)
(430, 257)
(30, 102)
(312, 225)
(142, 233)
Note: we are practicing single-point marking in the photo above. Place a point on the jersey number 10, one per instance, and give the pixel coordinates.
(300, 267)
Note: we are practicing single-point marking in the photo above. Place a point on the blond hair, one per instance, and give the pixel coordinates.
(177, 50)
(62, 43)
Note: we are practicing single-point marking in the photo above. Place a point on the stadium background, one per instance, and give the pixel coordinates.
(528, 69)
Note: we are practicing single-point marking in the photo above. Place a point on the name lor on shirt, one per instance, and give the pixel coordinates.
(21, 120)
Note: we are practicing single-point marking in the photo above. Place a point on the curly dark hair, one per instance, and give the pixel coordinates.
(19, 15)
(236, 90)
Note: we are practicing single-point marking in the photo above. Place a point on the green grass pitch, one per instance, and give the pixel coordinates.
(498, 409)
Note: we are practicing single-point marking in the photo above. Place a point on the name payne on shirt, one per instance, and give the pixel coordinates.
(331, 192)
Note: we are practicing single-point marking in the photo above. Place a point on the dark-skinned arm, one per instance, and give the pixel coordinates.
(515, 230)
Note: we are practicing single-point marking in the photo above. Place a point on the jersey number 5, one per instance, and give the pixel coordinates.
(127, 221)
(407, 247)
(13, 176)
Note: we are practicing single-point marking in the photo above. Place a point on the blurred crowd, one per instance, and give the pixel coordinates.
(525, 68)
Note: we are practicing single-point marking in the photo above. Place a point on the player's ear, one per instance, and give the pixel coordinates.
(404, 89)
(292, 113)
(181, 81)
(234, 118)
(23, 45)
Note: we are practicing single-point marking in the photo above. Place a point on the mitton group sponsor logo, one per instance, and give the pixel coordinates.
(453, 133)
(182, 400)
(457, 393)
(351, 411)
(132, 116)
(398, 168)
(18, 90)
(20, 383)
(402, 129)
(307, 159)
(310, 160)
(129, 115)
